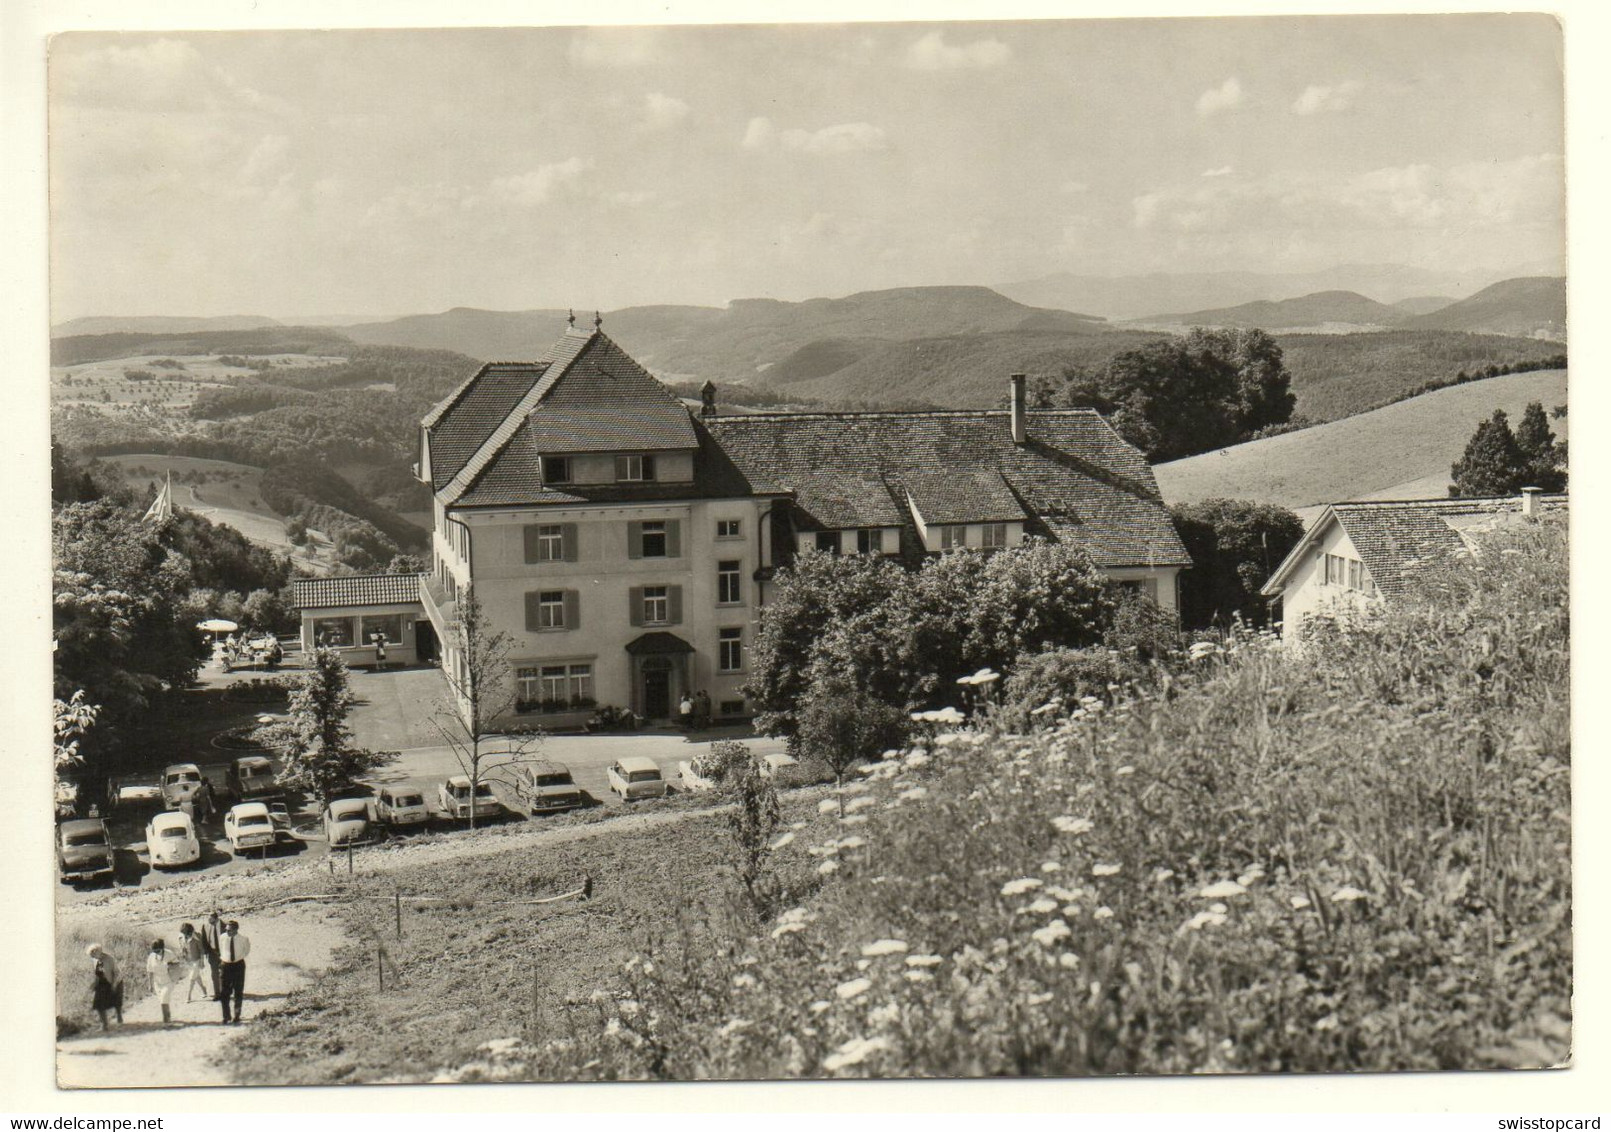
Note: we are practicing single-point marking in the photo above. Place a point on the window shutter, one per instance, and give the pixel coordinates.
(635, 604)
(573, 609)
(532, 619)
(673, 538)
(533, 546)
(634, 540)
(674, 604)
(568, 530)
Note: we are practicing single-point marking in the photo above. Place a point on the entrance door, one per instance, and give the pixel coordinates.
(656, 692)
(424, 642)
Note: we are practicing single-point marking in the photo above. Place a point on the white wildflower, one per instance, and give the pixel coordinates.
(1051, 933)
(915, 793)
(854, 841)
(1068, 961)
(1223, 888)
(852, 988)
(1103, 913)
(884, 947)
(1161, 875)
(853, 819)
(1042, 906)
(827, 806)
(1073, 825)
(732, 1026)
(1201, 920)
(917, 759)
(919, 977)
(1020, 886)
(786, 839)
(820, 1005)
(1124, 772)
(1298, 902)
(1039, 999)
(828, 867)
(854, 1052)
(743, 981)
(860, 804)
(1348, 893)
(924, 960)
(1104, 869)
(1251, 877)
(788, 928)
(1051, 867)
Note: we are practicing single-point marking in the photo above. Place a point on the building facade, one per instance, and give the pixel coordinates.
(625, 542)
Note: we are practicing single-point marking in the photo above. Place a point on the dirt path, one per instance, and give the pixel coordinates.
(288, 947)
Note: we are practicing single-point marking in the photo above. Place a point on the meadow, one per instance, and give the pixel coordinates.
(1354, 857)
(1400, 451)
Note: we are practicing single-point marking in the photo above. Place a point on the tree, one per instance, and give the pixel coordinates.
(73, 717)
(317, 743)
(481, 689)
(1036, 596)
(842, 724)
(405, 564)
(1543, 460)
(1492, 463)
(752, 822)
(266, 609)
(297, 531)
(1234, 546)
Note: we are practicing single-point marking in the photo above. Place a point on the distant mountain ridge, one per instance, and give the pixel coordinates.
(1532, 306)
(1141, 296)
(1322, 307)
(158, 324)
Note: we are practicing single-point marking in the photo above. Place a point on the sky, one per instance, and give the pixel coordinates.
(380, 173)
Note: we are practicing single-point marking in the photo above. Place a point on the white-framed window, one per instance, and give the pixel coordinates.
(654, 539)
(1355, 575)
(556, 469)
(551, 609)
(1345, 572)
(995, 536)
(869, 540)
(729, 582)
(730, 650)
(828, 542)
(729, 528)
(656, 605)
(634, 468)
(333, 632)
(554, 687)
(953, 536)
(550, 543)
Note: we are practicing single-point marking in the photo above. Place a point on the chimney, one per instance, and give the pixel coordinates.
(1020, 424)
(1529, 502)
(707, 399)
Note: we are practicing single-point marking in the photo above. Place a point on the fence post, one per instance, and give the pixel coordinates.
(397, 894)
(534, 1003)
(380, 968)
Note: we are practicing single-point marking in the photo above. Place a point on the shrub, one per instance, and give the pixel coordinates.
(842, 725)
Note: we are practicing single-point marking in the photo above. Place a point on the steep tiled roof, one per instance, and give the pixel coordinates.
(587, 396)
(462, 423)
(513, 478)
(1395, 536)
(1084, 484)
(360, 589)
(963, 497)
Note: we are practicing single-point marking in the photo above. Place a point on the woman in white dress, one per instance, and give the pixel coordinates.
(156, 963)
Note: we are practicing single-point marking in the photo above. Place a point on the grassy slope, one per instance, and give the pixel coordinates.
(1398, 814)
(1362, 455)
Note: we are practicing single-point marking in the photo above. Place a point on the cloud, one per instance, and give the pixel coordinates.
(1327, 99)
(1226, 96)
(632, 198)
(537, 186)
(661, 111)
(163, 75)
(932, 53)
(1222, 171)
(850, 137)
(758, 134)
(1074, 187)
(614, 47)
(1457, 199)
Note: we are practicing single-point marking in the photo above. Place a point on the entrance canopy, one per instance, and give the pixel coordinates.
(659, 644)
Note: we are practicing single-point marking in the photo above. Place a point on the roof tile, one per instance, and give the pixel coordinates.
(357, 589)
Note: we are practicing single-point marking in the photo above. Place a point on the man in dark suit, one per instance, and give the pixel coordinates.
(211, 934)
(233, 948)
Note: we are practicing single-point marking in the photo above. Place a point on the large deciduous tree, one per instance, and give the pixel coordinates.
(1234, 546)
(317, 752)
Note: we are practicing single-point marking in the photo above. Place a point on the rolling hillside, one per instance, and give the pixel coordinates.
(1320, 308)
(158, 324)
(1424, 304)
(1401, 451)
(1534, 306)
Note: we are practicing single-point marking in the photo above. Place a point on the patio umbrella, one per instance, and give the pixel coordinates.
(217, 625)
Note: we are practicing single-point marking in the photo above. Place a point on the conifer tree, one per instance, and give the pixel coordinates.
(1492, 463)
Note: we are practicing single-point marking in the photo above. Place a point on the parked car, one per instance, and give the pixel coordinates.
(346, 820)
(179, 784)
(251, 779)
(401, 805)
(454, 798)
(248, 826)
(280, 817)
(83, 849)
(547, 787)
(170, 840)
(636, 777)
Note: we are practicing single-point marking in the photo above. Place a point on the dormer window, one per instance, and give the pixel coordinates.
(634, 469)
(556, 469)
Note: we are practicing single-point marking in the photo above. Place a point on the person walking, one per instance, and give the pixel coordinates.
(212, 934)
(156, 965)
(702, 709)
(685, 712)
(233, 948)
(108, 991)
(193, 954)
